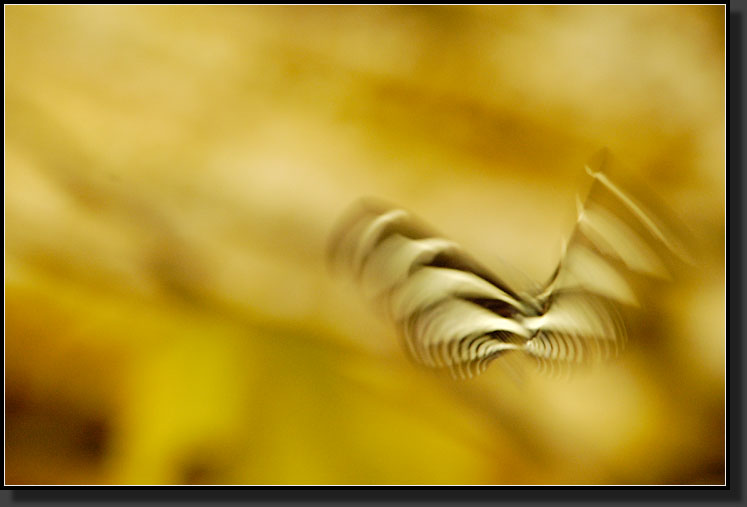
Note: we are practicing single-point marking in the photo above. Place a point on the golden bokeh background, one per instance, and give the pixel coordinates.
(172, 174)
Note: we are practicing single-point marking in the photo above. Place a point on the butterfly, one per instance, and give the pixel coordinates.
(454, 313)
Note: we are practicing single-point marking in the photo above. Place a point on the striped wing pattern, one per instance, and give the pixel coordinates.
(454, 313)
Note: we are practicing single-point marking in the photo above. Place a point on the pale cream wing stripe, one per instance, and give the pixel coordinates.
(428, 285)
(585, 270)
(612, 237)
(390, 263)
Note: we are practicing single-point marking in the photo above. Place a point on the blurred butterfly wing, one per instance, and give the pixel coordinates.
(451, 311)
(616, 239)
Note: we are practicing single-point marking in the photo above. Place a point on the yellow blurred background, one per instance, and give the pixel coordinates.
(172, 174)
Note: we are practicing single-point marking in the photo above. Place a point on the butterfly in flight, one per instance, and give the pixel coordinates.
(454, 313)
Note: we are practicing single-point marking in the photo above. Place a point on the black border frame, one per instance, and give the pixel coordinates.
(732, 492)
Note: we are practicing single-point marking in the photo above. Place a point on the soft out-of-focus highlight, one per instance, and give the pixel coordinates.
(172, 176)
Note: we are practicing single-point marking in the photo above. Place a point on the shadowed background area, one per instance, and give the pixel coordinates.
(172, 175)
